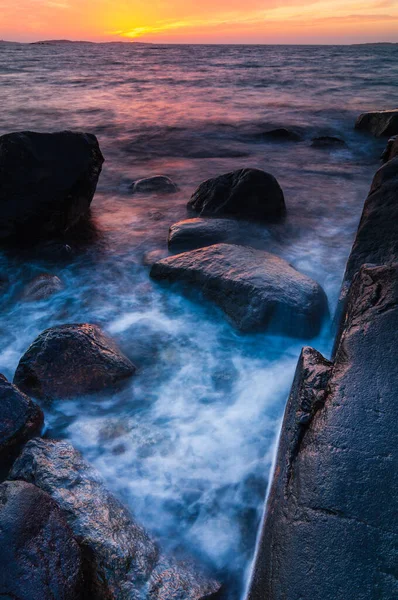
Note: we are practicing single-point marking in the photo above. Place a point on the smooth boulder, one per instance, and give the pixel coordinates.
(281, 134)
(71, 360)
(328, 142)
(20, 419)
(47, 182)
(249, 193)
(158, 184)
(124, 563)
(255, 289)
(39, 558)
(42, 287)
(197, 233)
(379, 123)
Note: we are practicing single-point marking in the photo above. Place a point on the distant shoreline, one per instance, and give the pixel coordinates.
(137, 43)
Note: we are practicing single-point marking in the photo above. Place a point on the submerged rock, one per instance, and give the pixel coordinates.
(197, 233)
(123, 562)
(158, 184)
(47, 182)
(42, 287)
(71, 360)
(39, 558)
(379, 123)
(281, 134)
(330, 525)
(328, 142)
(391, 150)
(249, 193)
(255, 289)
(20, 419)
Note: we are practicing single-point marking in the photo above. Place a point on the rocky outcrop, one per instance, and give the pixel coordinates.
(122, 561)
(191, 234)
(39, 558)
(391, 150)
(47, 182)
(255, 289)
(71, 360)
(20, 419)
(329, 531)
(42, 287)
(379, 123)
(158, 184)
(249, 193)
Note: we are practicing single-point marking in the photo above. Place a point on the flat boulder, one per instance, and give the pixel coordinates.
(328, 142)
(248, 193)
(124, 563)
(71, 360)
(20, 419)
(159, 184)
(255, 289)
(39, 557)
(197, 233)
(42, 287)
(379, 123)
(47, 182)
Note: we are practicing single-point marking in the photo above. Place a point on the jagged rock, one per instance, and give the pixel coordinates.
(47, 182)
(70, 360)
(379, 123)
(255, 289)
(42, 287)
(281, 134)
(328, 142)
(124, 563)
(197, 233)
(330, 525)
(249, 193)
(39, 558)
(391, 150)
(20, 419)
(159, 184)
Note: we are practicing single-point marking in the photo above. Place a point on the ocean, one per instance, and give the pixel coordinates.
(188, 443)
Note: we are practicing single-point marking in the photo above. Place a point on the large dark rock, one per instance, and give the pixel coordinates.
(280, 134)
(39, 558)
(249, 193)
(328, 142)
(255, 289)
(42, 287)
(158, 184)
(379, 123)
(47, 182)
(330, 530)
(20, 419)
(124, 563)
(198, 233)
(391, 150)
(70, 360)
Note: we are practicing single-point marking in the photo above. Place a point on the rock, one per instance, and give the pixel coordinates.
(391, 150)
(249, 193)
(281, 134)
(39, 559)
(42, 287)
(330, 525)
(328, 142)
(255, 289)
(47, 182)
(158, 184)
(379, 123)
(197, 233)
(124, 563)
(20, 419)
(70, 360)
(153, 256)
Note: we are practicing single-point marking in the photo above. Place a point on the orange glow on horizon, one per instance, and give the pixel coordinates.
(224, 21)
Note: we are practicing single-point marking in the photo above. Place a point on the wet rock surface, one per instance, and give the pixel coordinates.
(249, 193)
(281, 134)
(39, 558)
(255, 289)
(20, 419)
(122, 561)
(42, 287)
(331, 508)
(328, 142)
(191, 234)
(47, 182)
(158, 184)
(70, 360)
(379, 123)
(391, 150)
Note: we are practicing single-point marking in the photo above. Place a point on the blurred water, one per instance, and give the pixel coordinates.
(188, 443)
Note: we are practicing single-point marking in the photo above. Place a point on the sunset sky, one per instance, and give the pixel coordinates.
(201, 21)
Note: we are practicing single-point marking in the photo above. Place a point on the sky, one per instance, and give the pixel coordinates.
(201, 21)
